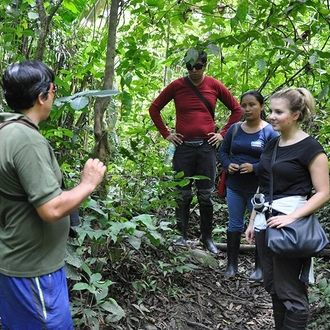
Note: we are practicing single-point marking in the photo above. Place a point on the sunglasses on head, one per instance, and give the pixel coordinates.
(197, 66)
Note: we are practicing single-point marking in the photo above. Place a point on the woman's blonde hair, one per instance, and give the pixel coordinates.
(300, 100)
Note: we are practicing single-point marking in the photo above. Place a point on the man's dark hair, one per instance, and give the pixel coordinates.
(23, 82)
(202, 56)
(193, 55)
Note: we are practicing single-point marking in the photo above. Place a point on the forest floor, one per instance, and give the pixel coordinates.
(209, 301)
(171, 288)
(205, 299)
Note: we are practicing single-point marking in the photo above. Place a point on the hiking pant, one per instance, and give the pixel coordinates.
(282, 277)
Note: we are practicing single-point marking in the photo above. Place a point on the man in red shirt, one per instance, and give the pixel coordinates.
(195, 138)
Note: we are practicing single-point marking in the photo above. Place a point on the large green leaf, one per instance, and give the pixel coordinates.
(79, 103)
(324, 93)
(242, 10)
(115, 311)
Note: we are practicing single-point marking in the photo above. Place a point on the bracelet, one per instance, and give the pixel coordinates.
(252, 219)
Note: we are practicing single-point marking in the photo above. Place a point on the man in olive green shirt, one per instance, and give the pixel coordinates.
(34, 230)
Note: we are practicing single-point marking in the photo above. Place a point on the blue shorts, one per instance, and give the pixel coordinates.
(36, 303)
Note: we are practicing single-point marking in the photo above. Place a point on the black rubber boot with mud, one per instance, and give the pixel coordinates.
(182, 216)
(233, 243)
(206, 214)
(257, 274)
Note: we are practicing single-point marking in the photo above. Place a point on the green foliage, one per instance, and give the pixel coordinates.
(94, 302)
(152, 275)
(79, 101)
(248, 46)
(321, 294)
(174, 266)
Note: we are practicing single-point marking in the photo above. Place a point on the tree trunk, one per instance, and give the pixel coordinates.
(102, 149)
(44, 27)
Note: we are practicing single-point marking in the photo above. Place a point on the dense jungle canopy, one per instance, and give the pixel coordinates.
(111, 59)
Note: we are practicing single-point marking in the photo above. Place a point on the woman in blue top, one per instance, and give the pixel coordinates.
(240, 158)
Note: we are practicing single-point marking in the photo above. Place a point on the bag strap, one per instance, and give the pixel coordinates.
(235, 129)
(4, 195)
(18, 121)
(200, 96)
(271, 177)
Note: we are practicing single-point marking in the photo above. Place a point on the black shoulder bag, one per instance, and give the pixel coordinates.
(303, 238)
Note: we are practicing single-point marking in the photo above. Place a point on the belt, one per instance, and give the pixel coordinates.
(194, 142)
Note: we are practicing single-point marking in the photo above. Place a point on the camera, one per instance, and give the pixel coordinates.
(258, 201)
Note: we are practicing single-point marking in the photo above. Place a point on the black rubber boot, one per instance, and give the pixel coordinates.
(206, 213)
(257, 275)
(233, 243)
(182, 216)
(295, 321)
(279, 312)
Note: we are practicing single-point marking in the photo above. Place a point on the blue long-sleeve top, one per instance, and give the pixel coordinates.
(246, 148)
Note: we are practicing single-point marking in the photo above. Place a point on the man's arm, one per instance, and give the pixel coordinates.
(156, 107)
(68, 201)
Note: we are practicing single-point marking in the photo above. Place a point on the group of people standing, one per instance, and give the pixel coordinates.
(301, 166)
(34, 208)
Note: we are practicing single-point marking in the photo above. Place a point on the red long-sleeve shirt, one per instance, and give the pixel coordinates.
(193, 119)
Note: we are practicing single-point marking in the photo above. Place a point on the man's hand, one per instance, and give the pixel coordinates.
(175, 138)
(93, 172)
(214, 138)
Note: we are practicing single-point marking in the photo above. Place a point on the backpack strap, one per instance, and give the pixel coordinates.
(21, 121)
(235, 129)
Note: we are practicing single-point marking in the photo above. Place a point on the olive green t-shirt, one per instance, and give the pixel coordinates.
(29, 246)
